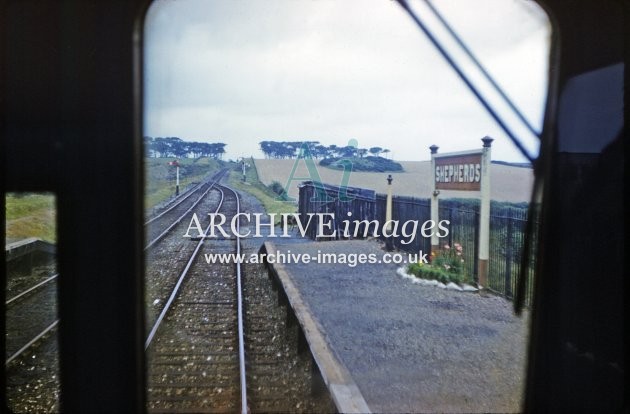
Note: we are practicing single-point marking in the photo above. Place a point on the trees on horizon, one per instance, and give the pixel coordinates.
(291, 149)
(160, 147)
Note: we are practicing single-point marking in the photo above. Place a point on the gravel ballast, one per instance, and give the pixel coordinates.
(410, 347)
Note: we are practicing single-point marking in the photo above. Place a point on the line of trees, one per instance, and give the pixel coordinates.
(177, 147)
(291, 149)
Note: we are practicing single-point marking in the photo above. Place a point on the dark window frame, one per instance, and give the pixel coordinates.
(70, 82)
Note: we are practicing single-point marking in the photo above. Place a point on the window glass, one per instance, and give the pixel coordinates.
(32, 349)
(273, 98)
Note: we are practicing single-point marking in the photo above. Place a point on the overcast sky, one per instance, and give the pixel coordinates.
(242, 71)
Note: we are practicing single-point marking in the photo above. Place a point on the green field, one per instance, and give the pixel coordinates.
(31, 215)
(160, 177)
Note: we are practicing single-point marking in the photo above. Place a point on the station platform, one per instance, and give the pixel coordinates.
(385, 344)
(15, 249)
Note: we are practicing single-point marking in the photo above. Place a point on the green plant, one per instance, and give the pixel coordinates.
(277, 188)
(450, 259)
(30, 215)
(263, 193)
(446, 266)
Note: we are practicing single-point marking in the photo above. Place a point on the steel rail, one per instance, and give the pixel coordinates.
(165, 232)
(187, 195)
(180, 280)
(240, 323)
(16, 297)
(239, 293)
(32, 341)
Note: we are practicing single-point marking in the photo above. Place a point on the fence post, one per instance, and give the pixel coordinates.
(450, 220)
(508, 255)
(389, 240)
(435, 216)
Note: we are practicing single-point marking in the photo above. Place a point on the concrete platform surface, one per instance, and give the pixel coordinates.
(408, 347)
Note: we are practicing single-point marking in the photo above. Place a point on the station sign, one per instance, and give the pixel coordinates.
(458, 171)
(465, 171)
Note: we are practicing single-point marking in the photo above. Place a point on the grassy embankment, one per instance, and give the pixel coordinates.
(255, 187)
(34, 215)
(31, 215)
(160, 177)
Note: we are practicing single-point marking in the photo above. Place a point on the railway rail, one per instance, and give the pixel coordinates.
(160, 225)
(27, 335)
(30, 316)
(31, 358)
(221, 342)
(196, 346)
(196, 342)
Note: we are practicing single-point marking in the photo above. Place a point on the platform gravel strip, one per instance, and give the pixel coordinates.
(408, 347)
(341, 386)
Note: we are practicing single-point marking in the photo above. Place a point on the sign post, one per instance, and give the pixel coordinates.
(484, 214)
(177, 181)
(465, 171)
(176, 164)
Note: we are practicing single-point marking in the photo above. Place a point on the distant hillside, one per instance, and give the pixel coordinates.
(509, 183)
(368, 164)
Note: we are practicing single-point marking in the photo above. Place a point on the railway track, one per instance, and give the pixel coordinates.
(215, 342)
(196, 346)
(31, 314)
(167, 252)
(221, 342)
(31, 359)
(157, 227)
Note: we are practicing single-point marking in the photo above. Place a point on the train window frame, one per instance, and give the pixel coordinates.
(546, 131)
(70, 118)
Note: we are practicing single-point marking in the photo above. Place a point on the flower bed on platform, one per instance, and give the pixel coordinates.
(445, 269)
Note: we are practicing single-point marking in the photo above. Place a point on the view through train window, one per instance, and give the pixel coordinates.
(332, 220)
(32, 356)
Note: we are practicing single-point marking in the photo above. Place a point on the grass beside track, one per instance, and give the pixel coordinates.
(31, 215)
(34, 214)
(255, 187)
(160, 177)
